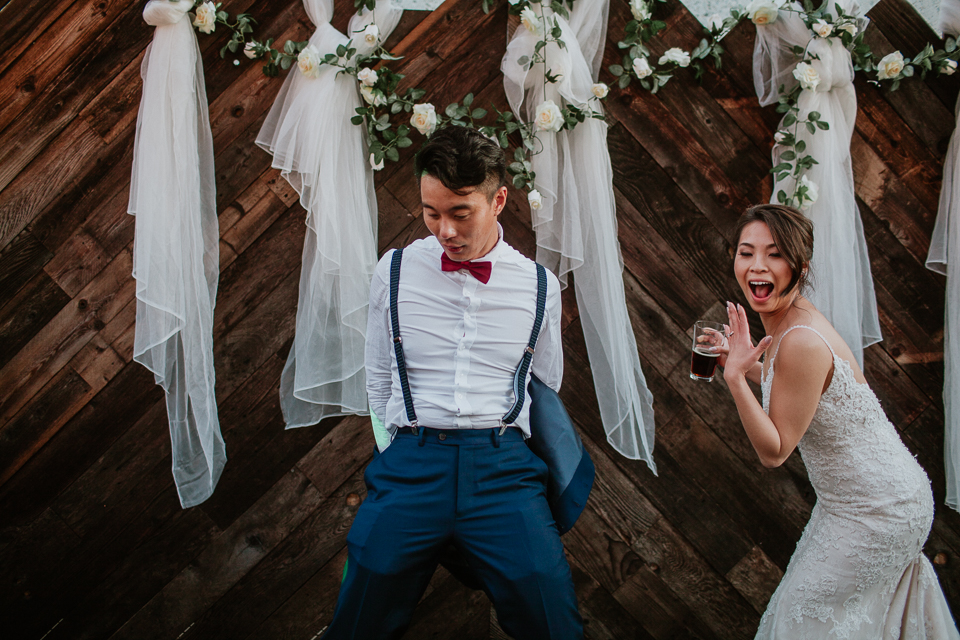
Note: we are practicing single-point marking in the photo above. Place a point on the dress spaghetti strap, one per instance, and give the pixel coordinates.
(801, 326)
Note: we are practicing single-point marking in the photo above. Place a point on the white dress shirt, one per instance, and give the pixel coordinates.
(462, 339)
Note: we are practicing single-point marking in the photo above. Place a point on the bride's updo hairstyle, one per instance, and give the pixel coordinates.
(793, 234)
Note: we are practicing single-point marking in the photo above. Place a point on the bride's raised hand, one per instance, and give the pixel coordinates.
(742, 355)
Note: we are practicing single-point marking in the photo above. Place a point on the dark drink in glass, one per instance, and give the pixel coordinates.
(703, 362)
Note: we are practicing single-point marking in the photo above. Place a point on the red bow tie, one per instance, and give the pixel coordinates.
(479, 270)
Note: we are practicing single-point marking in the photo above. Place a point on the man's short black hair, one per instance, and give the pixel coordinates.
(463, 160)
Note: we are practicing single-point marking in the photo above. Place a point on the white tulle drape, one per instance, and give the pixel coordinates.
(576, 226)
(944, 257)
(175, 255)
(324, 158)
(842, 284)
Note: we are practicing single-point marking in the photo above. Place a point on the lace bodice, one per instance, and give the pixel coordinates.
(873, 513)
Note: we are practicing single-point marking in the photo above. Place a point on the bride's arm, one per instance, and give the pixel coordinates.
(801, 368)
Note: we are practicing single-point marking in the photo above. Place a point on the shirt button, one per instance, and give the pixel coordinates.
(442, 436)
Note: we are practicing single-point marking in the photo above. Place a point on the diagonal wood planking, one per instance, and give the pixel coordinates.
(92, 541)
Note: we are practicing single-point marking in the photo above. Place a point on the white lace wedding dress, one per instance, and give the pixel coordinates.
(858, 571)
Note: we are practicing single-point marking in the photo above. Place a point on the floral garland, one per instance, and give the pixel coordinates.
(379, 84)
(794, 161)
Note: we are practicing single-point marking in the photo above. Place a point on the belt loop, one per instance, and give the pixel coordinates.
(423, 436)
(495, 437)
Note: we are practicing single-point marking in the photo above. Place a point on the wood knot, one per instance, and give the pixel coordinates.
(352, 499)
(723, 199)
(82, 304)
(237, 111)
(940, 559)
(655, 568)
(98, 324)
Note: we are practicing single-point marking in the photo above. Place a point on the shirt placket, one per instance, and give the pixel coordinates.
(467, 335)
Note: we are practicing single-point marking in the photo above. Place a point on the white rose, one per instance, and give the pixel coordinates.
(535, 199)
(601, 90)
(763, 12)
(513, 1)
(376, 166)
(250, 49)
(780, 136)
(424, 118)
(822, 28)
(371, 34)
(715, 23)
(549, 117)
(807, 75)
(367, 77)
(677, 56)
(850, 28)
(949, 66)
(530, 20)
(641, 67)
(206, 18)
(812, 192)
(890, 66)
(309, 62)
(640, 9)
(372, 97)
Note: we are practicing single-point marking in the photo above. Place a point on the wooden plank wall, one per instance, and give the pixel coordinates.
(93, 543)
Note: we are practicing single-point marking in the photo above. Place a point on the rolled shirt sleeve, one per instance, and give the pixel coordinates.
(378, 355)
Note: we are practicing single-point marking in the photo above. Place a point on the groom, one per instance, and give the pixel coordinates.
(466, 306)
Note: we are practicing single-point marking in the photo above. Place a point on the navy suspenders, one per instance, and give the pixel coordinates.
(519, 378)
(397, 342)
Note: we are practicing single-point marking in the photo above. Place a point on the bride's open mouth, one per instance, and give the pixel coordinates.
(761, 290)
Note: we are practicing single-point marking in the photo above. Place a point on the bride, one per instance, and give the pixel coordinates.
(858, 570)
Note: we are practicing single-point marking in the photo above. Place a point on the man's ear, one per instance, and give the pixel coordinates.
(500, 199)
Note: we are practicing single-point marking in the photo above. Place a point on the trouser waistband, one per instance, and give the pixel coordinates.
(462, 436)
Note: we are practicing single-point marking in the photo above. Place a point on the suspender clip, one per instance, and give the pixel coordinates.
(398, 340)
(529, 349)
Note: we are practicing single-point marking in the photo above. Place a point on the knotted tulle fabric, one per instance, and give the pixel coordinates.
(576, 226)
(944, 257)
(842, 284)
(176, 254)
(324, 158)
